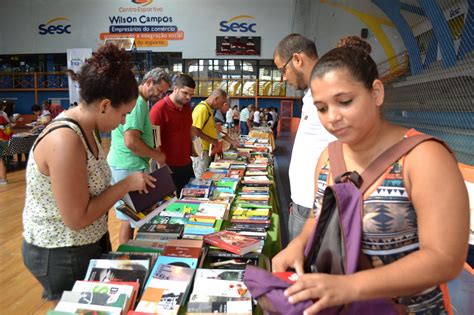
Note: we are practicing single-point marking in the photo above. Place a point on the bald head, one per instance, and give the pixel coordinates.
(217, 98)
(219, 93)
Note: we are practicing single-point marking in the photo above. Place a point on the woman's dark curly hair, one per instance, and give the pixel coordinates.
(352, 56)
(354, 41)
(107, 75)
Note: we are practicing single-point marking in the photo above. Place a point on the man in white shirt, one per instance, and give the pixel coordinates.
(256, 118)
(295, 57)
(244, 121)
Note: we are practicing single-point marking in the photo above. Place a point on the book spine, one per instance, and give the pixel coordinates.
(156, 236)
(223, 245)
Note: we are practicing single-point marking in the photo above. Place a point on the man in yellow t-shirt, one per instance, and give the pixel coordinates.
(205, 128)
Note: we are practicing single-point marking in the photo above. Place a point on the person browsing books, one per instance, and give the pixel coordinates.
(245, 121)
(132, 143)
(415, 225)
(174, 116)
(204, 127)
(5, 135)
(295, 57)
(68, 191)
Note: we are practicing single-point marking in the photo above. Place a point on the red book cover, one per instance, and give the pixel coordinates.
(182, 251)
(232, 242)
(287, 276)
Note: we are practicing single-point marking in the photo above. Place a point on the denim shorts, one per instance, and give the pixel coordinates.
(57, 269)
(297, 219)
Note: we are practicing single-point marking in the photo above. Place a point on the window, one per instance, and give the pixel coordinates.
(236, 76)
(270, 80)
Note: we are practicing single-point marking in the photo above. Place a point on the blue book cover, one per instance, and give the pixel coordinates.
(173, 261)
(198, 230)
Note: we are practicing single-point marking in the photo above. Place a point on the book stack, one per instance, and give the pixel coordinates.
(168, 285)
(195, 193)
(219, 165)
(256, 181)
(231, 155)
(216, 209)
(214, 175)
(236, 173)
(233, 242)
(159, 231)
(219, 291)
(119, 270)
(181, 208)
(152, 257)
(167, 289)
(250, 213)
(112, 298)
(199, 183)
(227, 185)
(183, 248)
(164, 219)
(144, 246)
(200, 225)
(140, 208)
(251, 220)
(257, 195)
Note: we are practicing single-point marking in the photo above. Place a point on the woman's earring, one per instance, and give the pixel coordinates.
(103, 112)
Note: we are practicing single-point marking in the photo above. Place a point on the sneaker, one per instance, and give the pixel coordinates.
(3, 182)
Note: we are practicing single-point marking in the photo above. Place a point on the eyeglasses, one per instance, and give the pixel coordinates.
(283, 69)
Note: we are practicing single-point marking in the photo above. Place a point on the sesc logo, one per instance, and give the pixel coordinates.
(48, 29)
(231, 26)
(142, 2)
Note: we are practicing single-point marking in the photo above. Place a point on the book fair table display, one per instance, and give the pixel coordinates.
(189, 257)
(263, 133)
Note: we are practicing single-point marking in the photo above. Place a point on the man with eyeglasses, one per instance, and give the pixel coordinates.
(295, 57)
(132, 143)
(174, 116)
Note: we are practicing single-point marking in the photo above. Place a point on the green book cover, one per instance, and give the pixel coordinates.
(131, 248)
(183, 207)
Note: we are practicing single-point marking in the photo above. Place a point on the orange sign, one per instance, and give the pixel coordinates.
(151, 43)
(179, 35)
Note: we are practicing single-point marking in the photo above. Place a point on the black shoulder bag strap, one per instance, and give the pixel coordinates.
(207, 110)
(48, 130)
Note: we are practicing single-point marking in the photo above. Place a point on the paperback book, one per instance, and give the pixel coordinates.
(232, 242)
(142, 207)
(166, 291)
(113, 290)
(219, 291)
(150, 231)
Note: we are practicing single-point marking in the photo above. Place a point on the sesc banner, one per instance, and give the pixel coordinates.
(75, 59)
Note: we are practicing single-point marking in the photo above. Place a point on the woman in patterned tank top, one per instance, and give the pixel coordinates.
(68, 191)
(415, 241)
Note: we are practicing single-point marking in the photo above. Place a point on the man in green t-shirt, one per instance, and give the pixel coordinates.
(204, 127)
(132, 143)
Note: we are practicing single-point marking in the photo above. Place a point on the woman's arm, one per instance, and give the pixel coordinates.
(62, 156)
(439, 196)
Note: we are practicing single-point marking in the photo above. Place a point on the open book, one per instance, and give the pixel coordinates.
(141, 208)
(156, 136)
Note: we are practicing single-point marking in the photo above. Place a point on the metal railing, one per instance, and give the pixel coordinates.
(388, 72)
(33, 80)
